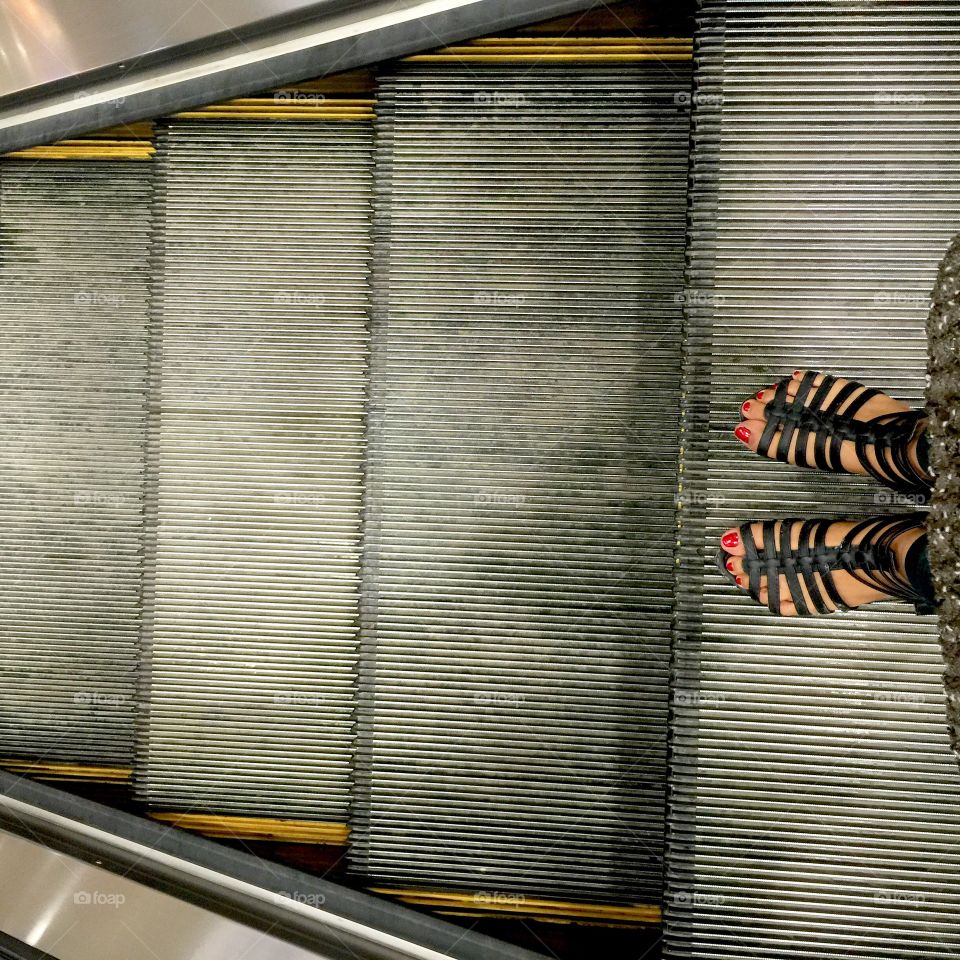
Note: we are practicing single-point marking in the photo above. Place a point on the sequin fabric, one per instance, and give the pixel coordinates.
(943, 402)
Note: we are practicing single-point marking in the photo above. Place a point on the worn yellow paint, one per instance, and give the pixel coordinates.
(578, 41)
(47, 770)
(559, 911)
(211, 114)
(561, 50)
(475, 56)
(127, 141)
(87, 150)
(258, 828)
(282, 100)
(289, 105)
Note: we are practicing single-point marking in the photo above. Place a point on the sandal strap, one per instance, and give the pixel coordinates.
(812, 564)
(873, 562)
(891, 436)
(798, 565)
(831, 423)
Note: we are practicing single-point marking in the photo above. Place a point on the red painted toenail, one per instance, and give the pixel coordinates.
(759, 394)
(739, 581)
(797, 373)
(746, 406)
(742, 434)
(731, 540)
(730, 565)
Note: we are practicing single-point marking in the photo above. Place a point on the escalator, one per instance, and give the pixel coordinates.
(386, 480)
(364, 439)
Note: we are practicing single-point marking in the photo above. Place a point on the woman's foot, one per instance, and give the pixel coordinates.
(819, 424)
(842, 563)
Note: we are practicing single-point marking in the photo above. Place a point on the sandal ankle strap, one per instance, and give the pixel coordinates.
(891, 436)
(873, 562)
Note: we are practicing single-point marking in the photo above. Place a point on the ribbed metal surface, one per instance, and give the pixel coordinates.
(256, 453)
(525, 372)
(73, 364)
(814, 799)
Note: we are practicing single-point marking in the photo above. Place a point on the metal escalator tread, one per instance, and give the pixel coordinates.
(73, 362)
(529, 228)
(813, 794)
(255, 468)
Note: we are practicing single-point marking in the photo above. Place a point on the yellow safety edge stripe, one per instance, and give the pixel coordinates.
(520, 905)
(53, 152)
(48, 770)
(574, 41)
(527, 56)
(561, 49)
(283, 108)
(258, 828)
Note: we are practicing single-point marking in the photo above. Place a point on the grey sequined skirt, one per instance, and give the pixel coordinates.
(943, 402)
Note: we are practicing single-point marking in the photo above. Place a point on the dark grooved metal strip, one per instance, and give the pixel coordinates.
(525, 371)
(814, 796)
(73, 362)
(256, 456)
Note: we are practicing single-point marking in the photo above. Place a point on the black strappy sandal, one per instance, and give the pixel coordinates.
(831, 423)
(871, 561)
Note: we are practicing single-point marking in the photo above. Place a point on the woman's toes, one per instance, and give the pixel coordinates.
(749, 433)
(734, 565)
(765, 396)
(796, 379)
(732, 542)
(753, 409)
(788, 608)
